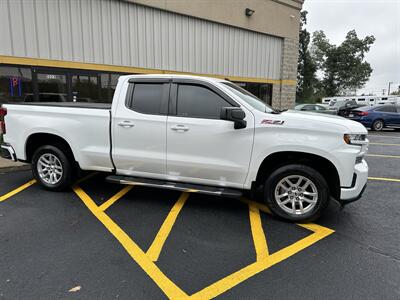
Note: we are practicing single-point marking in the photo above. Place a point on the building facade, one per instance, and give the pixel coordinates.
(75, 50)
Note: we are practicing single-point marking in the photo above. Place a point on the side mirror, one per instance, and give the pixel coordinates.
(234, 114)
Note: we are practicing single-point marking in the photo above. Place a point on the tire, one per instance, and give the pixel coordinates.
(49, 160)
(313, 205)
(378, 125)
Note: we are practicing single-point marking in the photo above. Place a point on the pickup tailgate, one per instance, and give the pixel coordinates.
(85, 127)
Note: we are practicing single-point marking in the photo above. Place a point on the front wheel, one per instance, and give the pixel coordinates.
(296, 193)
(52, 168)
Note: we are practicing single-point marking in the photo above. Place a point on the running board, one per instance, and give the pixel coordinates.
(178, 186)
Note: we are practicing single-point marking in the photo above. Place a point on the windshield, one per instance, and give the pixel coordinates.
(339, 104)
(249, 98)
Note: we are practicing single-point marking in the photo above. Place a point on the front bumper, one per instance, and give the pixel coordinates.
(355, 192)
(7, 152)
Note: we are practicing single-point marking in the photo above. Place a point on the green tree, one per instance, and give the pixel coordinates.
(343, 67)
(306, 78)
(396, 93)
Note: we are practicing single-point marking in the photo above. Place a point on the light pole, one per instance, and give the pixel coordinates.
(389, 87)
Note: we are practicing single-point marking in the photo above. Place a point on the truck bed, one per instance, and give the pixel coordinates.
(86, 127)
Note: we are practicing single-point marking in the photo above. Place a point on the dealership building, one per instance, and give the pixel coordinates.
(75, 50)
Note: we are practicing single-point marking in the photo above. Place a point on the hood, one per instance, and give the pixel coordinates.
(315, 118)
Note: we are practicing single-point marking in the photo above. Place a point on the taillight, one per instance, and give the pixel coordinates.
(362, 113)
(3, 113)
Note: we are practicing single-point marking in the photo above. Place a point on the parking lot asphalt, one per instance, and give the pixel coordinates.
(107, 241)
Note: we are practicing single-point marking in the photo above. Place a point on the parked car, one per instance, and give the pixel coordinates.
(191, 133)
(344, 109)
(377, 117)
(314, 108)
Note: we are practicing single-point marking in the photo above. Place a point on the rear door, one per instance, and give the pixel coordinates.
(139, 129)
(202, 148)
(389, 114)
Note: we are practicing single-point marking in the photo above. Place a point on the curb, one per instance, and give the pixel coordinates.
(15, 169)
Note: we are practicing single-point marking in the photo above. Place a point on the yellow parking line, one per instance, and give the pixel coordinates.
(382, 155)
(384, 144)
(155, 249)
(115, 198)
(245, 273)
(17, 190)
(86, 178)
(384, 179)
(166, 285)
(260, 242)
(259, 205)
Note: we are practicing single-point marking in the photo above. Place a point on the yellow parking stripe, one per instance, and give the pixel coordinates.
(384, 179)
(166, 285)
(260, 242)
(17, 190)
(155, 249)
(234, 279)
(86, 177)
(382, 155)
(384, 144)
(115, 198)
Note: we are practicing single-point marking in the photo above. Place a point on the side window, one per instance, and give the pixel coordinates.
(387, 109)
(147, 98)
(199, 102)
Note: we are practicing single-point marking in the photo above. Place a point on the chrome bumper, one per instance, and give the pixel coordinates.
(7, 152)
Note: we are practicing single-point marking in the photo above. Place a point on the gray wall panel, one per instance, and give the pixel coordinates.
(125, 34)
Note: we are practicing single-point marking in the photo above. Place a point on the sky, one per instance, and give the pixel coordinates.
(380, 18)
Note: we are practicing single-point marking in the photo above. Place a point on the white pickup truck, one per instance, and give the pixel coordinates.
(193, 134)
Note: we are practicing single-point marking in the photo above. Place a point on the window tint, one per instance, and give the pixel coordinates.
(199, 102)
(147, 98)
(387, 109)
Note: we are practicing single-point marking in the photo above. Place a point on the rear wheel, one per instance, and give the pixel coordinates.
(52, 168)
(297, 193)
(377, 125)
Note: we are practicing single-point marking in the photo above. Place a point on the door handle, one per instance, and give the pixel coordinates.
(179, 128)
(126, 124)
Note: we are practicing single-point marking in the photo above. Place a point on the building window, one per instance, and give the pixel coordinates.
(51, 88)
(31, 84)
(262, 91)
(15, 84)
(108, 83)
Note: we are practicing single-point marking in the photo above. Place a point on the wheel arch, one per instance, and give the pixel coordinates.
(36, 140)
(323, 165)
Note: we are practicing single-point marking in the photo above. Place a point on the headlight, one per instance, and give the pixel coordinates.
(355, 139)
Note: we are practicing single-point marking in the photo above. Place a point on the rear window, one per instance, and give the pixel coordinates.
(147, 98)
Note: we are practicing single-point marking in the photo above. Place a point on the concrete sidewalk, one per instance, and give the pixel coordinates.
(9, 165)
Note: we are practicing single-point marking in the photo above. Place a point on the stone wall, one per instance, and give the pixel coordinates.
(284, 94)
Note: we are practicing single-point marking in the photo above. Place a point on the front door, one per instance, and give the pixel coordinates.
(202, 148)
(139, 130)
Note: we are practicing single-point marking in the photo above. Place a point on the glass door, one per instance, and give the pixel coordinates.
(50, 85)
(85, 87)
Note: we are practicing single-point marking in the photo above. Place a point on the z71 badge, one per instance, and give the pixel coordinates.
(272, 122)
